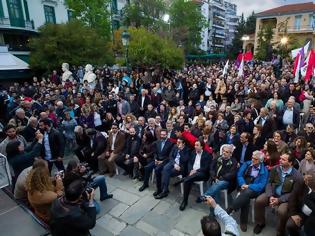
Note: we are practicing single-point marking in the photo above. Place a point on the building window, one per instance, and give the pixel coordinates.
(70, 15)
(16, 13)
(27, 14)
(297, 23)
(50, 14)
(312, 21)
(1, 10)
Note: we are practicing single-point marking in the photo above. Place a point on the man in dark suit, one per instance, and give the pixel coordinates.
(140, 127)
(163, 149)
(177, 165)
(115, 145)
(198, 170)
(53, 144)
(289, 115)
(131, 150)
(143, 101)
(97, 145)
(265, 122)
(244, 150)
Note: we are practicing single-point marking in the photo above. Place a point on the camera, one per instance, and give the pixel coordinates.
(60, 173)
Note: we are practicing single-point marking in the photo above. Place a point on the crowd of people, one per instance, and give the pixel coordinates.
(252, 135)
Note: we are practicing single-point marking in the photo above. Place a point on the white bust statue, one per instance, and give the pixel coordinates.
(67, 74)
(89, 76)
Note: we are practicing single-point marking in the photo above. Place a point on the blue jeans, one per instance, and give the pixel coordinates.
(214, 191)
(99, 181)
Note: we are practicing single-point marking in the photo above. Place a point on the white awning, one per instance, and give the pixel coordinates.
(11, 62)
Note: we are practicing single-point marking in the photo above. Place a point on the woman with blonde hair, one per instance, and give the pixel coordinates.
(41, 191)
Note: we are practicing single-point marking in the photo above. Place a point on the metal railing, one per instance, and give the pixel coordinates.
(6, 23)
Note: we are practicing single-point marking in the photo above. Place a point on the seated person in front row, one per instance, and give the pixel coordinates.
(252, 178)
(176, 166)
(198, 170)
(283, 179)
(163, 149)
(301, 207)
(223, 173)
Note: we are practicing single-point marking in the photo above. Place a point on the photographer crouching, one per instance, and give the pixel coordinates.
(79, 171)
(69, 216)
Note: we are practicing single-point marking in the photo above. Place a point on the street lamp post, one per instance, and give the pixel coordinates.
(125, 38)
(166, 19)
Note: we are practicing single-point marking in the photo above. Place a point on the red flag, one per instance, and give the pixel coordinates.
(310, 65)
(248, 56)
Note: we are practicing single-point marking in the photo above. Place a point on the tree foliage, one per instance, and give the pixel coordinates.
(93, 13)
(144, 13)
(264, 48)
(186, 24)
(245, 27)
(73, 42)
(148, 49)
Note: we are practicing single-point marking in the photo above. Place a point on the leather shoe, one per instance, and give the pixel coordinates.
(157, 192)
(143, 187)
(182, 206)
(258, 228)
(161, 195)
(243, 227)
(106, 197)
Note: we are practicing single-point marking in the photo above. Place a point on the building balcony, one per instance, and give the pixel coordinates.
(218, 25)
(232, 23)
(218, 45)
(5, 23)
(302, 29)
(218, 5)
(218, 15)
(220, 36)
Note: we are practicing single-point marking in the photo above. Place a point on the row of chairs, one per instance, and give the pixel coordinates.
(201, 189)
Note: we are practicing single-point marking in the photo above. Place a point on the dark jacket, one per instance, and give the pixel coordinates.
(224, 169)
(163, 155)
(28, 133)
(70, 219)
(296, 118)
(297, 199)
(205, 163)
(183, 159)
(248, 153)
(56, 142)
(132, 146)
(25, 159)
(291, 181)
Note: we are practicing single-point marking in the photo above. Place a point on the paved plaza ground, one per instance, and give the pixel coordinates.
(134, 213)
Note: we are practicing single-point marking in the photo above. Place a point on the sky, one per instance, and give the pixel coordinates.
(248, 6)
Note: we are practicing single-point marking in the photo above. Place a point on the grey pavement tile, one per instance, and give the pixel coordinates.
(139, 209)
(125, 197)
(161, 222)
(111, 224)
(189, 221)
(162, 207)
(106, 206)
(99, 230)
(149, 229)
(118, 210)
(132, 231)
(175, 232)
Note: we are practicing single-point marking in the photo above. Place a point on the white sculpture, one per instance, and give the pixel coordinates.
(67, 74)
(89, 76)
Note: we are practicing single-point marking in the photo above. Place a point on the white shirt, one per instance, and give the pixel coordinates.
(196, 165)
(287, 118)
(48, 155)
(142, 101)
(113, 142)
(97, 119)
(177, 157)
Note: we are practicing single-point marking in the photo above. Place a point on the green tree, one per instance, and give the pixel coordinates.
(186, 23)
(149, 49)
(264, 48)
(144, 13)
(73, 42)
(94, 13)
(250, 24)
